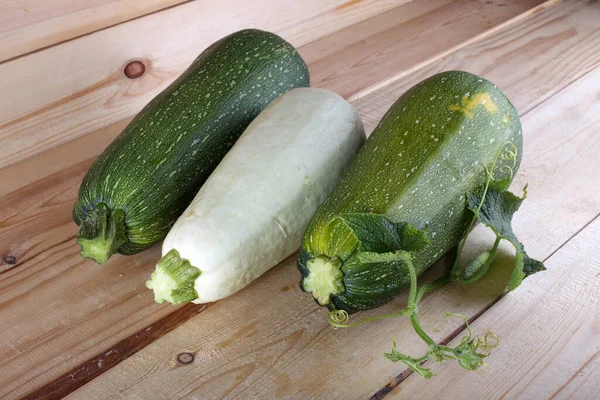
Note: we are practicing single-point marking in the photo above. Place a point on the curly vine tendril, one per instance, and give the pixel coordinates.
(340, 318)
(490, 339)
(507, 152)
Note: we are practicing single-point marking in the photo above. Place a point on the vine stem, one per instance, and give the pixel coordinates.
(413, 304)
(430, 287)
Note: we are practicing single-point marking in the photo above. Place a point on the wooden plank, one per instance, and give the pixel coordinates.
(82, 95)
(87, 147)
(271, 341)
(565, 24)
(401, 39)
(29, 25)
(76, 377)
(550, 336)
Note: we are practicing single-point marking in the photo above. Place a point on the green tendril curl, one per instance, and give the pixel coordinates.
(340, 318)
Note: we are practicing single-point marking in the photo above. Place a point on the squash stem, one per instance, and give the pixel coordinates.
(430, 287)
(173, 280)
(324, 279)
(413, 304)
(101, 233)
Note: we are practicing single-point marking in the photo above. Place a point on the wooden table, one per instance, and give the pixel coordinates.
(71, 327)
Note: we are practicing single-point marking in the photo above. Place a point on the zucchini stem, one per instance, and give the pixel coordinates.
(430, 287)
(469, 353)
(102, 233)
(324, 279)
(174, 279)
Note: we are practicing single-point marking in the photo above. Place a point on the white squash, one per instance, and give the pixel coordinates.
(251, 213)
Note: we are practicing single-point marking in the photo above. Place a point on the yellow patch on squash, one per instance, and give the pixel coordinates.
(468, 105)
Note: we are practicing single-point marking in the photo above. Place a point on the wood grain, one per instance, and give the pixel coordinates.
(63, 92)
(83, 373)
(37, 168)
(404, 38)
(29, 25)
(269, 343)
(566, 37)
(550, 336)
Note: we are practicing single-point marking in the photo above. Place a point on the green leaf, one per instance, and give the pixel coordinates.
(496, 212)
(377, 234)
(379, 263)
(531, 266)
(411, 238)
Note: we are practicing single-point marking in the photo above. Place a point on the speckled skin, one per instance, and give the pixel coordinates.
(427, 152)
(155, 167)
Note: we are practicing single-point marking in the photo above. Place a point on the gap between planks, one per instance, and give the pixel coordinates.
(74, 23)
(88, 370)
(552, 327)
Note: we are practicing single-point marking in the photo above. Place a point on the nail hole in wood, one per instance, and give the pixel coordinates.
(10, 260)
(135, 69)
(185, 358)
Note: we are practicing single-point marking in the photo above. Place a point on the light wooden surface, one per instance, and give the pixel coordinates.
(549, 50)
(401, 40)
(84, 87)
(29, 25)
(66, 320)
(298, 355)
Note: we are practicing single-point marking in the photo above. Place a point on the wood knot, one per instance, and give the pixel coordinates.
(185, 358)
(135, 69)
(10, 260)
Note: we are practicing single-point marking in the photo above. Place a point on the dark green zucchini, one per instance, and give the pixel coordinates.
(428, 152)
(138, 187)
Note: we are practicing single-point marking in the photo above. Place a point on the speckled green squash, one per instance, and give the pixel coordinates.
(428, 151)
(138, 187)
